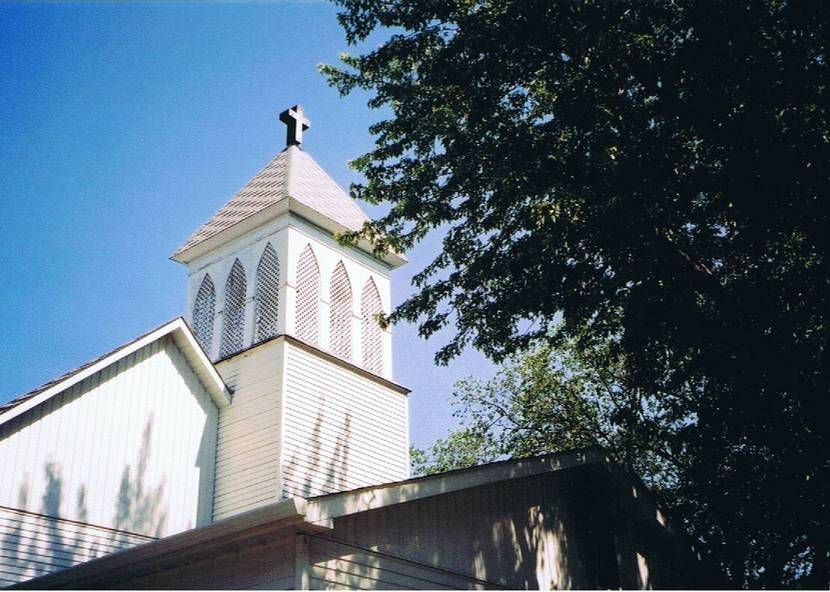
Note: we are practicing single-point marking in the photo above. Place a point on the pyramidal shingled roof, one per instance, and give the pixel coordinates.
(292, 173)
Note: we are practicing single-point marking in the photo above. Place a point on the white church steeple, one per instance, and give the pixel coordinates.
(290, 317)
(267, 264)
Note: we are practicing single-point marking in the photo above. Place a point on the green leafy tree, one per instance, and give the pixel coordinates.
(553, 399)
(657, 173)
(459, 450)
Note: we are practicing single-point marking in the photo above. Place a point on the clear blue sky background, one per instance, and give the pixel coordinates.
(124, 127)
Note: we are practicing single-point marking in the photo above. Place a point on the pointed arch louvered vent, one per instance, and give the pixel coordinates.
(371, 337)
(233, 322)
(307, 324)
(204, 310)
(341, 313)
(266, 295)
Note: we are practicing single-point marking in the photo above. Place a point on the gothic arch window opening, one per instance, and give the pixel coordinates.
(266, 295)
(307, 324)
(341, 313)
(233, 322)
(204, 310)
(371, 338)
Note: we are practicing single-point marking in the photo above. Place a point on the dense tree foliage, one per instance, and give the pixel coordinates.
(658, 173)
(559, 398)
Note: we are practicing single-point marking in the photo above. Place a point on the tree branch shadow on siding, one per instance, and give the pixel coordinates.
(544, 532)
(205, 460)
(13, 540)
(66, 545)
(338, 473)
(58, 550)
(51, 546)
(309, 466)
(206, 463)
(53, 541)
(138, 508)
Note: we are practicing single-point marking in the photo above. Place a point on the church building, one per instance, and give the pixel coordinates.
(262, 442)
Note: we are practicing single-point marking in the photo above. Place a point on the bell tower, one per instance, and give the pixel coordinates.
(289, 316)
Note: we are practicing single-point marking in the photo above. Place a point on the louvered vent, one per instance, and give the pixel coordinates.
(341, 313)
(233, 322)
(307, 324)
(267, 294)
(371, 337)
(203, 312)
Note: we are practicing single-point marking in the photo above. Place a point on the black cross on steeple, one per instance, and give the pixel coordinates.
(296, 122)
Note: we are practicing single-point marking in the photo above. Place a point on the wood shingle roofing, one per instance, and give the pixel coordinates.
(292, 173)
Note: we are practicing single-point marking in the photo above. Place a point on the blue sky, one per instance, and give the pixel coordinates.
(123, 128)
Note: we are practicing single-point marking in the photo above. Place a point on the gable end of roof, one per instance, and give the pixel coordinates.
(177, 329)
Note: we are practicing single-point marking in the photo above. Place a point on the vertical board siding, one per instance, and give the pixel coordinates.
(248, 446)
(33, 545)
(524, 534)
(342, 430)
(335, 565)
(131, 448)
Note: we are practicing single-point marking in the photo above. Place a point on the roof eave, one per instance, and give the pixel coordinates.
(272, 212)
(286, 516)
(265, 215)
(392, 259)
(201, 364)
(328, 507)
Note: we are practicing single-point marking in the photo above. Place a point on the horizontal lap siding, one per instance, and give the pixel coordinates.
(248, 450)
(265, 567)
(342, 430)
(32, 545)
(519, 534)
(338, 566)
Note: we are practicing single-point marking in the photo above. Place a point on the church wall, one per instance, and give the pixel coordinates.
(268, 566)
(342, 430)
(32, 545)
(652, 555)
(580, 528)
(289, 235)
(130, 448)
(359, 267)
(532, 533)
(335, 565)
(248, 450)
(248, 249)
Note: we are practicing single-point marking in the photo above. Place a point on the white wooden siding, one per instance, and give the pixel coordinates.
(260, 567)
(288, 236)
(527, 534)
(359, 267)
(32, 545)
(131, 447)
(336, 566)
(342, 430)
(578, 528)
(248, 449)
